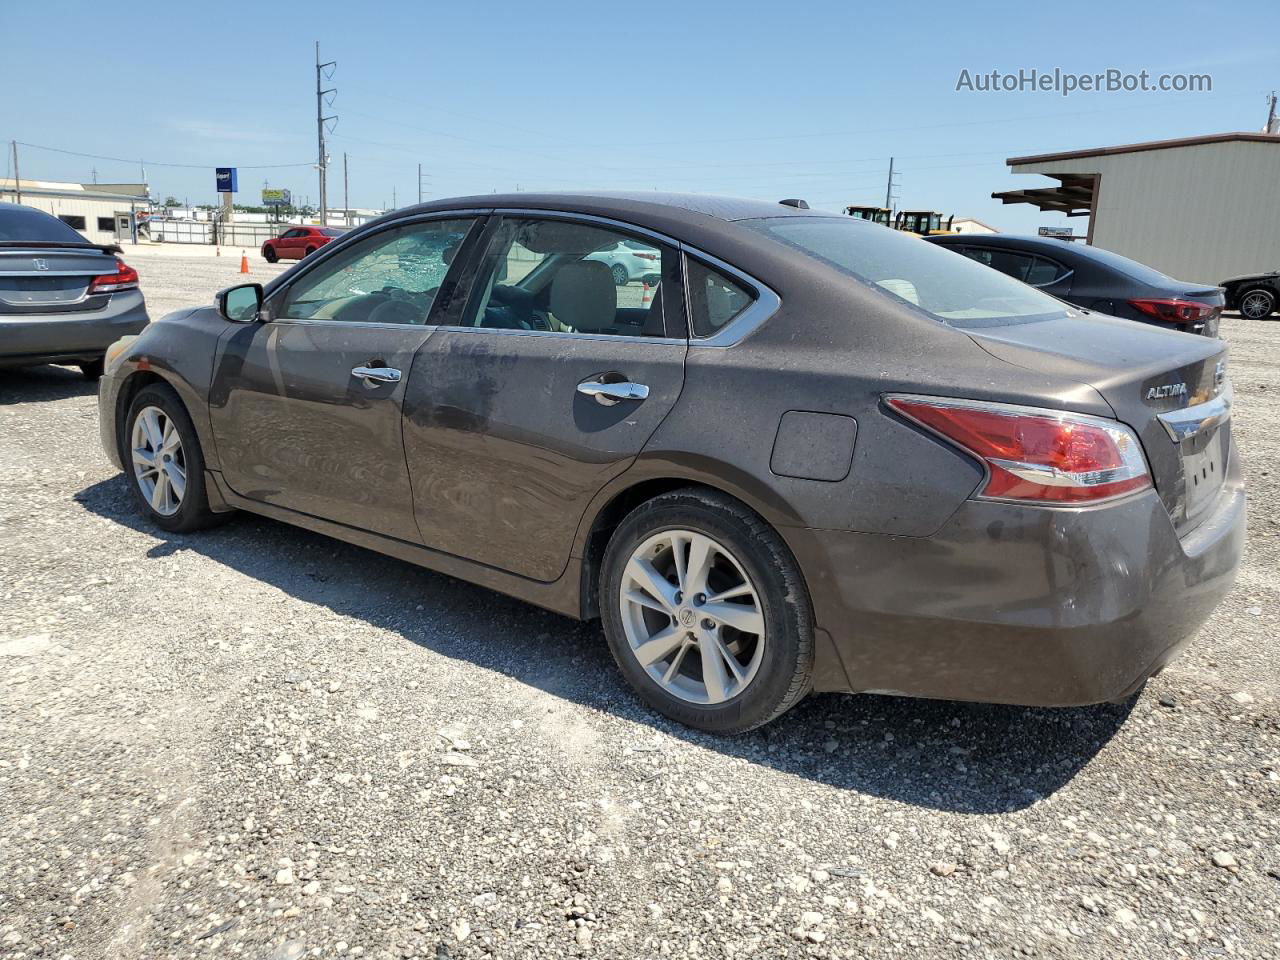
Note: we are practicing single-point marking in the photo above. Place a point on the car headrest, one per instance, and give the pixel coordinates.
(584, 296)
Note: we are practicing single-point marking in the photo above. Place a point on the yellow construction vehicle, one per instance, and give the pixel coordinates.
(880, 215)
(924, 222)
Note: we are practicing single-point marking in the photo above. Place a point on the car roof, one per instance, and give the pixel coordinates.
(663, 205)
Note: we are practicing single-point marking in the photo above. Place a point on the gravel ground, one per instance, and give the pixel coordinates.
(258, 742)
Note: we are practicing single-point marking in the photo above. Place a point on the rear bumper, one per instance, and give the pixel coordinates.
(68, 337)
(1011, 604)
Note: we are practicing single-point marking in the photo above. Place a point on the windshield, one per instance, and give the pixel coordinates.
(948, 287)
(26, 224)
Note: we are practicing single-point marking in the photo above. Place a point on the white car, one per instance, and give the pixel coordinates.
(630, 260)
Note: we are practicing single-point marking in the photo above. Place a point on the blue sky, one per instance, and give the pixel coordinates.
(774, 100)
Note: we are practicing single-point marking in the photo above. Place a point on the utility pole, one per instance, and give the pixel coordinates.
(393, 199)
(1273, 126)
(888, 190)
(419, 183)
(322, 160)
(346, 198)
(17, 177)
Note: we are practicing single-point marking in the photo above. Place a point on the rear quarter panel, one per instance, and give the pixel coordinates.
(837, 347)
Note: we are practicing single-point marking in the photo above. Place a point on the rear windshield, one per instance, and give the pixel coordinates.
(27, 224)
(332, 232)
(1130, 268)
(945, 285)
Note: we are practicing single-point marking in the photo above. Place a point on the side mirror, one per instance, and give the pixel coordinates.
(240, 304)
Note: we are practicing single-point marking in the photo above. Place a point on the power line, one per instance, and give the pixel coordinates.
(154, 163)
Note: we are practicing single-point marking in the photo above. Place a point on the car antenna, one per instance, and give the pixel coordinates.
(798, 204)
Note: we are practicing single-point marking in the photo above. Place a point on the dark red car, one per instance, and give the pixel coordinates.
(297, 242)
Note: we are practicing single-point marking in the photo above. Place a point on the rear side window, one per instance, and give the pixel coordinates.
(952, 289)
(1044, 272)
(28, 224)
(714, 299)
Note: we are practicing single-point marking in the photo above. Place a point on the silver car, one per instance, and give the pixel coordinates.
(62, 299)
(630, 261)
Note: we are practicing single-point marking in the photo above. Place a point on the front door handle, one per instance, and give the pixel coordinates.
(607, 394)
(376, 374)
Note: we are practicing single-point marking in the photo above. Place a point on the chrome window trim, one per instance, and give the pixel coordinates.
(764, 306)
(561, 334)
(1187, 422)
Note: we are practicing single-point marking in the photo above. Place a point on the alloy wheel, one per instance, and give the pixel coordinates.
(1255, 305)
(692, 617)
(159, 464)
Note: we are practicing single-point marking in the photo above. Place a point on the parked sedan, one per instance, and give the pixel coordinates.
(298, 242)
(1255, 295)
(62, 299)
(1096, 279)
(827, 456)
(629, 261)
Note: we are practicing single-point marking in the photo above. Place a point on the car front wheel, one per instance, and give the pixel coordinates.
(706, 612)
(269, 255)
(1257, 304)
(620, 277)
(163, 459)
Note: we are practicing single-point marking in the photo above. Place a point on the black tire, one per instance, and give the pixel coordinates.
(92, 369)
(1264, 299)
(309, 251)
(193, 512)
(620, 275)
(784, 676)
(269, 255)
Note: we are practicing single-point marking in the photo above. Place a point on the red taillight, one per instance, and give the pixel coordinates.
(1174, 310)
(1042, 456)
(644, 256)
(125, 278)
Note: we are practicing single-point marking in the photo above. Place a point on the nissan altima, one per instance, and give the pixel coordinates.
(825, 456)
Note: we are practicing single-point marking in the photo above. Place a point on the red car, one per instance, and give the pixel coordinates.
(297, 242)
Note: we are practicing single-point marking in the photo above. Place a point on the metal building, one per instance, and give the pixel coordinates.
(1200, 209)
(102, 212)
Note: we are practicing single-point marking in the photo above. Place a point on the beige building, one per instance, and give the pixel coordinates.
(100, 211)
(970, 225)
(1201, 209)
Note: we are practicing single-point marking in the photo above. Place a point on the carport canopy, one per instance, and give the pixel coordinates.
(1074, 195)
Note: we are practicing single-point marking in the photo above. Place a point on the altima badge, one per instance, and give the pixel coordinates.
(1168, 390)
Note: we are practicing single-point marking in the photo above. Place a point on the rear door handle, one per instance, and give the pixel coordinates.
(377, 374)
(608, 394)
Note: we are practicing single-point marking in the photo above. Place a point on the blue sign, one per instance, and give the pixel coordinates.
(226, 179)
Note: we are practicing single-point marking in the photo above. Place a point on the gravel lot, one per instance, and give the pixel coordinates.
(258, 742)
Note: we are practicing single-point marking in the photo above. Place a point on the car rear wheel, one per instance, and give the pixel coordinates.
(163, 458)
(309, 251)
(706, 613)
(620, 277)
(92, 369)
(269, 255)
(1257, 304)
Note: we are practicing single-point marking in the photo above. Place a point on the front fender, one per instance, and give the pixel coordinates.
(178, 350)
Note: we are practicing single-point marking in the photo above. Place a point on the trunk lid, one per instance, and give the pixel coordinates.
(51, 280)
(1162, 383)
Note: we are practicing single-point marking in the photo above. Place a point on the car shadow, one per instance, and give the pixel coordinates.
(41, 384)
(958, 757)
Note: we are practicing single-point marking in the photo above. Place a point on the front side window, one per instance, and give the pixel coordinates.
(390, 277)
(564, 277)
(714, 299)
(952, 289)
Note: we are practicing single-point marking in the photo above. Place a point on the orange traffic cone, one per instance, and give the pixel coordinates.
(644, 297)
(244, 263)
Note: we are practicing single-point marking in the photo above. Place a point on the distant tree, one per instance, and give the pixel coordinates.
(171, 201)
